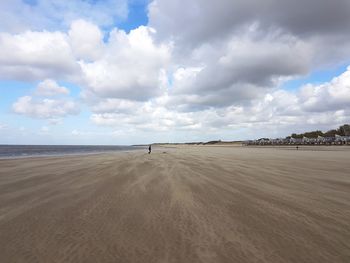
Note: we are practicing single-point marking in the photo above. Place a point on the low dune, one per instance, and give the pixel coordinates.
(178, 204)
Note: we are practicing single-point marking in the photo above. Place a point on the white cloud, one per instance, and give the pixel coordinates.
(50, 87)
(49, 101)
(127, 66)
(86, 40)
(146, 116)
(331, 96)
(36, 55)
(111, 105)
(44, 108)
(132, 66)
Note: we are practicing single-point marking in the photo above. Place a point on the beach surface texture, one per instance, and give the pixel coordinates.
(178, 204)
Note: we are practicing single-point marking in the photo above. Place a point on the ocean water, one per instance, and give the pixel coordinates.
(16, 151)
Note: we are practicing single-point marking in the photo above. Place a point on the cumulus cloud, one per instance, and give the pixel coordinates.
(86, 40)
(36, 55)
(243, 68)
(111, 105)
(127, 66)
(44, 108)
(49, 101)
(132, 66)
(50, 87)
(159, 120)
(330, 96)
(246, 48)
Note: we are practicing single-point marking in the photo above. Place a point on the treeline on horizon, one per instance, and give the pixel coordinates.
(343, 130)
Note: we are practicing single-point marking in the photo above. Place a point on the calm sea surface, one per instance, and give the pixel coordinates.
(14, 151)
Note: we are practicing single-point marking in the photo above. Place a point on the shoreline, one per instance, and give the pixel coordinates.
(66, 154)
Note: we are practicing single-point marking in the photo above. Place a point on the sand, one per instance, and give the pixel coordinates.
(182, 204)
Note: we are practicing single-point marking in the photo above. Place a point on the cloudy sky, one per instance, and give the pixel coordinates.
(138, 71)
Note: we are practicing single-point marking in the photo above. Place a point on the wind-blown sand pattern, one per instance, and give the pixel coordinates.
(184, 204)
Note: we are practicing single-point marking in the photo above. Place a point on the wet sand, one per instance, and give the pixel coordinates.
(183, 204)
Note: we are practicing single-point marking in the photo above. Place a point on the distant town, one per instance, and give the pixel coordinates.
(340, 136)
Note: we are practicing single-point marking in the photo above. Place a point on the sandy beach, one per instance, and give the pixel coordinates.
(179, 204)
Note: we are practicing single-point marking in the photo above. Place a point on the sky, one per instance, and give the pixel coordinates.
(135, 71)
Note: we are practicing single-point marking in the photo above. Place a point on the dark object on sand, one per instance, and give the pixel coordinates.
(149, 149)
(297, 147)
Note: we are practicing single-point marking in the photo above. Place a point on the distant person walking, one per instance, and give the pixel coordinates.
(149, 149)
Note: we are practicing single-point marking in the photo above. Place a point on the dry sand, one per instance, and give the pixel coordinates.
(184, 204)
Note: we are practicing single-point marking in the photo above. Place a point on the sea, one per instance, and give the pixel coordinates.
(18, 151)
